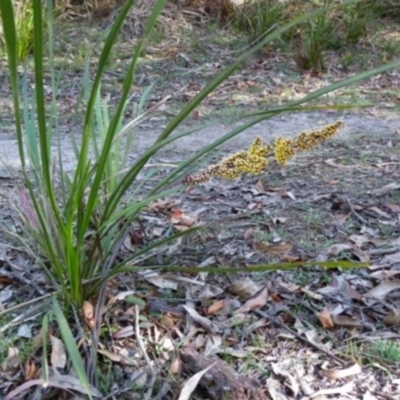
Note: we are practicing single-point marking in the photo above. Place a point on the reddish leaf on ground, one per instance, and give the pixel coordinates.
(325, 318)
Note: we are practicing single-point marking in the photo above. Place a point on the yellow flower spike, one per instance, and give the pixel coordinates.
(284, 150)
(197, 178)
(305, 141)
(234, 161)
(257, 165)
(254, 160)
(223, 171)
(258, 149)
(257, 143)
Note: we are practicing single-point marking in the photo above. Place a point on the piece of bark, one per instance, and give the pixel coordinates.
(221, 381)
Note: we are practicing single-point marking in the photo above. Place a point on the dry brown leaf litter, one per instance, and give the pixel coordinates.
(257, 321)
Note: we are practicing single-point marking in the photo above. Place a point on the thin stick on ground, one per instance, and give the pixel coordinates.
(145, 356)
(99, 310)
(28, 281)
(26, 303)
(31, 314)
(355, 213)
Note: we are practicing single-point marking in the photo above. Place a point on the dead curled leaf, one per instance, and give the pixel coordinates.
(363, 256)
(341, 390)
(329, 320)
(244, 288)
(257, 301)
(215, 307)
(332, 162)
(182, 221)
(176, 366)
(336, 249)
(161, 281)
(236, 319)
(393, 207)
(118, 358)
(202, 321)
(383, 289)
(359, 240)
(164, 205)
(386, 189)
(325, 318)
(30, 370)
(392, 318)
(341, 287)
(12, 361)
(346, 322)
(334, 374)
(380, 212)
(88, 312)
(350, 292)
(58, 357)
(64, 382)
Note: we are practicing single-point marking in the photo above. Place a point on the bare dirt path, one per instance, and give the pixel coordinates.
(284, 125)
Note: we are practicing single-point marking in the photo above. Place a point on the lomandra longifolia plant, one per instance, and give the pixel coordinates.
(76, 222)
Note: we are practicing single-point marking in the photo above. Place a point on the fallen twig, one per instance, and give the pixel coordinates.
(355, 213)
(145, 356)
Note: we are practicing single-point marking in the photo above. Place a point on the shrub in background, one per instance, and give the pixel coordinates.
(257, 17)
(310, 42)
(356, 20)
(334, 29)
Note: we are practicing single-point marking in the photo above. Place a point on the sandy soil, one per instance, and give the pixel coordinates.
(283, 125)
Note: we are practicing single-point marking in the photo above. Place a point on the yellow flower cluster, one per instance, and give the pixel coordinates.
(283, 149)
(251, 161)
(255, 159)
(306, 141)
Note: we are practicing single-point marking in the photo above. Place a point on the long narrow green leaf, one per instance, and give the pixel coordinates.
(146, 250)
(71, 347)
(132, 209)
(112, 130)
(40, 96)
(10, 37)
(102, 63)
(250, 268)
(44, 137)
(45, 365)
(79, 185)
(130, 136)
(30, 128)
(301, 108)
